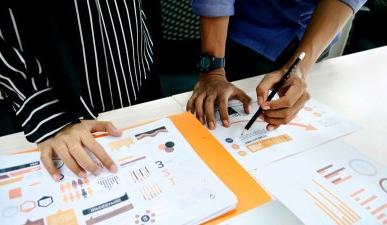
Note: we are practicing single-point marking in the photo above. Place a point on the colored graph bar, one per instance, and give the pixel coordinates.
(322, 170)
(22, 172)
(265, 143)
(357, 192)
(352, 212)
(10, 169)
(346, 216)
(132, 161)
(333, 216)
(368, 200)
(381, 216)
(334, 173)
(341, 180)
(10, 181)
(379, 209)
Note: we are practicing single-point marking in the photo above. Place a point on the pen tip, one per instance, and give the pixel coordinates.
(243, 132)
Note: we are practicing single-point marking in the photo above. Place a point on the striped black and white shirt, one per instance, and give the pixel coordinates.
(61, 60)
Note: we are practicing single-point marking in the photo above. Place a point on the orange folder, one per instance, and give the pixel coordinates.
(249, 193)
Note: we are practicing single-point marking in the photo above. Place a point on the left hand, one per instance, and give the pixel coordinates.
(293, 96)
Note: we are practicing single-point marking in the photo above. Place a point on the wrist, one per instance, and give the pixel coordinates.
(217, 73)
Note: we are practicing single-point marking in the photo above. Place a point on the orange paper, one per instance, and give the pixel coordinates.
(249, 193)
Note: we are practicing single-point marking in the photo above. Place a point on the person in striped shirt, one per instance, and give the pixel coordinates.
(64, 61)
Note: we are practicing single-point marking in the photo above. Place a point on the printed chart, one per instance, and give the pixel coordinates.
(334, 185)
(314, 125)
(161, 180)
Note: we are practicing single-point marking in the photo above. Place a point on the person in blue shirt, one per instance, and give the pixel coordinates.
(263, 37)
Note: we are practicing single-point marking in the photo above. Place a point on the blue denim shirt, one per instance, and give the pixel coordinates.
(266, 26)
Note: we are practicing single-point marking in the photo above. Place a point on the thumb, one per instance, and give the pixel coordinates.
(107, 127)
(267, 84)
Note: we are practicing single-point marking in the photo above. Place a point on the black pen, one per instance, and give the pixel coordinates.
(276, 88)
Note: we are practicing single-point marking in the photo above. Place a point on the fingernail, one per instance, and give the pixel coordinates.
(56, 177)
(249, 109)
(82, 174)
(97, 172)
(265, 107)
(113, 168)
(225, 123)
(211, 125)
(270, 127)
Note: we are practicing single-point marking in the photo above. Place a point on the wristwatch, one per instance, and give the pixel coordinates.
(208, 63)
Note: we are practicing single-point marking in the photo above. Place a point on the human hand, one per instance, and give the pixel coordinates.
(211, 90)
(69, 145)
(293, 96)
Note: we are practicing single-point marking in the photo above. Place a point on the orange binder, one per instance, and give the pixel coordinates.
(249, 193)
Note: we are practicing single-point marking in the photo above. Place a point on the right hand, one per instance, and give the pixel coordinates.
(69, 145)
(211, 90)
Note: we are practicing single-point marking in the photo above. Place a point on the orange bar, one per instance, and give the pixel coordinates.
(10, 181)
(379, 209)
(381, 216)
(357, 192)
(370, 199)
(22, 172)
(338, 199)
(341, 180)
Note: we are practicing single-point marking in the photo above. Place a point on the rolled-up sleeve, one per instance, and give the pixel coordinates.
(354, 4)
(213, 8)
(27, 88)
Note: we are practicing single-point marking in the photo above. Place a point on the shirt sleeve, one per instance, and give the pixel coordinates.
(24, 84)
(213, 8)
(354, 4)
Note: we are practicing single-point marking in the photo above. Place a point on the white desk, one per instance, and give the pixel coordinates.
(355, 85)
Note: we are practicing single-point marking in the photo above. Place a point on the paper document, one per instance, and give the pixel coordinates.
(314, 125)
(332, 184)
(161, 180)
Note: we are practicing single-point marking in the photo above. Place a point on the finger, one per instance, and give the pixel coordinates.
(99, 152)
(265, 85)
(245, 99)
(191, 104)
(79, 153)
(209, 111)
(279, 121)
(62, 151)
(288, 113)
(291, 96)
(105, 126)
(46, 158)
(223, 110)
(271, 127)
(199, 107)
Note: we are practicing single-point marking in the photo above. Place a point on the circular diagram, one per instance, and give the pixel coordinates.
(383, 184)
(363, 167)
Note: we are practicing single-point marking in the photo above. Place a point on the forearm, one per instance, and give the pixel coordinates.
(214, 35)
(327, 21)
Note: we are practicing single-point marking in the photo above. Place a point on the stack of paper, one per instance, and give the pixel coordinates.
(161, 180)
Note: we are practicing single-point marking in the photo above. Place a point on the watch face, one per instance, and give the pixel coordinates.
(205, 63)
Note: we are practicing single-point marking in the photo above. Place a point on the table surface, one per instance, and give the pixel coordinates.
(354, 85)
